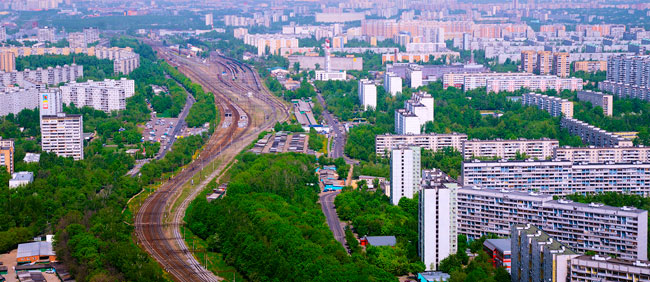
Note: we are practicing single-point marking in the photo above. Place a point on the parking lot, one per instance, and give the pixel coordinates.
(159, 130)
(9, 260)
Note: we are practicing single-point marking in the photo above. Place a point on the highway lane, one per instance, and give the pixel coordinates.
(327, 205)
(189, 101)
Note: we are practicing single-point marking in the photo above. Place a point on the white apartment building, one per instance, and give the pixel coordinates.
(553, 105)
(414, 76)
(108, 95)
(593, 135)
(91, 35)
(273, 41)
(437, 224)
(406, 122)
(323, 75)
(404, 173)
(533, 82)
(49, 76)
(63, 135)
(45, 35)
(432, 141)
(593, 154)
(14, 99)
(367, 94)
(559, 177)
(598, 99)
(124, 59)
(620, 231)
(508, 149)
(392, 83)
(422, 105)
(604, 268)
(77, 40)
(209, 19)
(497, 82)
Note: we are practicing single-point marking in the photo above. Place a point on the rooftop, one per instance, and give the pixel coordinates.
(502, 245)
(23, 176)
(381, 240)
(35, 249)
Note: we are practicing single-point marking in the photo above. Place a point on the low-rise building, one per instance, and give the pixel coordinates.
(499, 251)
(21, 178)
(509, 149)
(35, 252)
(593, 135)
(32, 158)
(598, 99)
(604, 268)
(431, 141)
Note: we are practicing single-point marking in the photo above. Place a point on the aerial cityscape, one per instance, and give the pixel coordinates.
(325, 140)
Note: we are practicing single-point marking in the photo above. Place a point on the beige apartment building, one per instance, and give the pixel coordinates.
(433, 141)
(508, 149)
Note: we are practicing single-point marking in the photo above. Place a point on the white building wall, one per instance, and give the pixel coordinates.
(437, 225)
(404, 173)
(367, 94)
(392, 83)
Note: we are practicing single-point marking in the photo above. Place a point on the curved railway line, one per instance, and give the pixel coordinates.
(160, 236)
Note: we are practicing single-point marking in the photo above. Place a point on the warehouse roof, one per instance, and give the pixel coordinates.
(35, 249)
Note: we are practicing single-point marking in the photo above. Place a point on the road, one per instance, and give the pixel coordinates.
(157, 223)
(189, 101)
(327, 204)
(336, 131)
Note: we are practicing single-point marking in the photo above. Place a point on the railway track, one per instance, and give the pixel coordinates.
(156, 233)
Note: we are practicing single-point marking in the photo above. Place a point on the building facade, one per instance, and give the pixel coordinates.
(602, 268)
(63, 135)
(405, 173)
(7, 61)
(432, 141)
(628, 76)
(607, 230)
(602, 154)
(392, 83)
(406, 122)
(510, 83)
(14, 100)
(561, 64)
(598, 99)
(553, 105)
(436, 222)
(108, 95)
(528, 60)
(509, 149)
(590, 66)
(544, 62)
(41, 77)
(593, 135)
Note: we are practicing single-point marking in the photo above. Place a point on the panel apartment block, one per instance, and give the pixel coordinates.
(63, 135)
(599, 99)
(553, 105)
(437, 237)
(593, 135)
(14, 99)
(559, 177)
(49, 76)
(601, 268)
(508, 149)
(405, 173)
(602, 154)
(108, 95)
(620, 231)
(628, 76)
(432, 141)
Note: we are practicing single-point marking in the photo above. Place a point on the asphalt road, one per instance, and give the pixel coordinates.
(179, 124)
(337, 150)
(327, 204)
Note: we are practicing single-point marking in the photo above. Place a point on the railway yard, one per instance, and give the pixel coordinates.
(246, 108)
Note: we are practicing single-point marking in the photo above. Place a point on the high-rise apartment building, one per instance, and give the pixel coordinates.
(77, 40)
(559, 177)
(422, 105)
(536, 256)
(628, 76)
(7, 61)
(49, 76)
(544, 62)
(593, 135)
(432, 141)
(607, 230)
(590, 66)
(14, 99)
(509, 149)
(405, 173)
(63, 135)
(414, 76)
(50, 102)
(209, 20)
(406, 122)
(553, 105)
(598, 99)
(367, 94)
(108, 95)
(3, 34)
(509, 83)
(436, 221)
(392, 83)
(561, 64)
(45, 34)
(528, 61)
(91, 35)
(7, 154)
